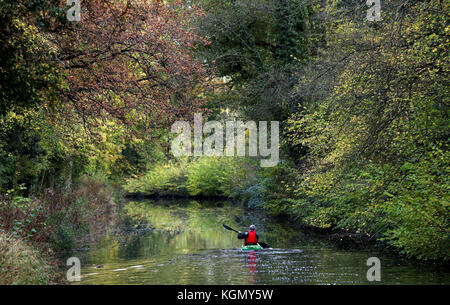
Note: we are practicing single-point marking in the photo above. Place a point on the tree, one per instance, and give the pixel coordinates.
(132, 61)
(127, 69)
(257, 45)
(375, 123)
(28, 76)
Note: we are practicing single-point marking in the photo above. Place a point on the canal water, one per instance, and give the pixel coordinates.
(184, 242)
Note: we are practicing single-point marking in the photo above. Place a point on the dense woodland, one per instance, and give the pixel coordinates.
(86, 109)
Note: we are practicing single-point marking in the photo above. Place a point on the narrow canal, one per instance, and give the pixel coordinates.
(184, 242)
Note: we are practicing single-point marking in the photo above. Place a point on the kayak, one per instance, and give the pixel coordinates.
(252, 247)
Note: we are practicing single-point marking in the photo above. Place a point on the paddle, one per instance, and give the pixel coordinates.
(228, 228)
(264, 245)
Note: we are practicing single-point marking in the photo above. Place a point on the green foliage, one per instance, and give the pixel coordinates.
(275, 185)
(20, 216)
(363, 109)
(25, 227)
(162, 179)
(206, 176)
(376, 131)
(254, 196)
(258, 46)
(28, 74)
(21, 154)
(223, 176)
(417, 207)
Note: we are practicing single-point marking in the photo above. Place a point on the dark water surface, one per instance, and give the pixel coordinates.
(183, 242)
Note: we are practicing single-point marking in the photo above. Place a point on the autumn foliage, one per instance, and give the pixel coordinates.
(132, 61)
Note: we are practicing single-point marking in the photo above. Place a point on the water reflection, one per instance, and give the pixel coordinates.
(183, 242)
(253, 270)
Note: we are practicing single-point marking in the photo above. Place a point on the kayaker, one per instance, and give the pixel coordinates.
(251, 237)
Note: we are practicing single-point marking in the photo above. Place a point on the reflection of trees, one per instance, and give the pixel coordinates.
(130, 248)
(150, 228)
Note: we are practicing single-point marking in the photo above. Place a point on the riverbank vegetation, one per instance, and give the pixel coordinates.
(202, 177)
(21, 264)
(86, 109)
(364, 112)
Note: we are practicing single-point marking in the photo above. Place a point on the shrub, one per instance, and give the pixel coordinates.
(417, 208)
(404, 205)
(254, 196)
(165, 179)
(58, 217)
(206, 176)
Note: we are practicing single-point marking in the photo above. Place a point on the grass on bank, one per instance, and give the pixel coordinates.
(21, 263)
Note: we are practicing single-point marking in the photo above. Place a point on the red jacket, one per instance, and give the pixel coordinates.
(252, 238)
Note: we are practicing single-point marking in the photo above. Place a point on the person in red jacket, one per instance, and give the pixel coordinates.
(251, 237)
